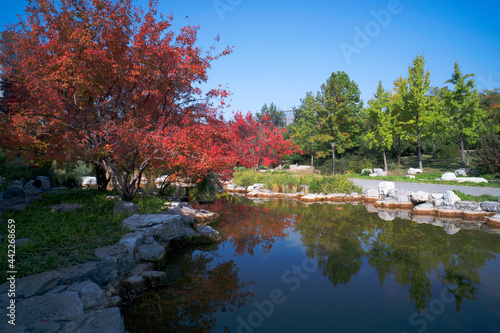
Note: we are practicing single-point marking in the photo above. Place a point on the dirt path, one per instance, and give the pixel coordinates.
(430, 188)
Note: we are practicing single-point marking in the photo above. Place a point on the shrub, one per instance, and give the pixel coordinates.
(487, 159)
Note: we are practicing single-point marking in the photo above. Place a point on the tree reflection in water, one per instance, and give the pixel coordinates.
(339, 237)
(190, 303)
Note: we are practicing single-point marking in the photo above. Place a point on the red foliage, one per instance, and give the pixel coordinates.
(100, 81)
(259, 143)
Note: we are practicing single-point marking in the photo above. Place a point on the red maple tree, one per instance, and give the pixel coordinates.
(105, 82)
(259, 143)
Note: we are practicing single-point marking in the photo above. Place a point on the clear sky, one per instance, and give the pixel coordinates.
(283, 49)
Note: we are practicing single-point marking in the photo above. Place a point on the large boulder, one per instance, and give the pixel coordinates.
(101, 272)
(163, 227)
(91, 295)
(33, 285)
(413, 171)
(103, 321)
(490, 206)
(419, 197)
(461, 172)
(384, 187)
(450, 198)
(450, 176)
(378, 172)
(13, 192)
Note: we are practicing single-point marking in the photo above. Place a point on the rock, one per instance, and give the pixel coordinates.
(103, 321)
(155, 277)
(91, 295)
(410, 176)
(33, 285)
(205, 230)
(425, 209)
(378, 172)
(125, 207)
(392, 192)
(386, 215)
(310, 198)
(372, 195)
(14, 192)
(100, 272)
(88, 181)
(461, 172)
(115, 301)
(33, 187)
(437, 202)
(116, 254)
(413, 171)
(449, 211)
(384, 187)
(450, 228)
(467, 205)
(471, 179)
(135, 283)
(132, 240)
(449, 176)
(200, 216)
(163, 227)
(366, 171)
(45, 183)
(336, 197)
(151, 252)
(61, 208)
(433, 196)
(37, 310)
(450, 198)
(419, 197)
(490, 206)
(494, 220)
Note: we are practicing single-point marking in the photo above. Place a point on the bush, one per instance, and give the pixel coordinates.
(487, 159)
(68, 174)
(349, 164)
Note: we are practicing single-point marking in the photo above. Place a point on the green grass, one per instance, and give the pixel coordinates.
(432, 170)
(289, 183)
(65, 239)
(480, 198)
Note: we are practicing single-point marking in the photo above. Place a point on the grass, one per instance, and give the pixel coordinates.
(289, 183)
(432, 170)
(480, 198)
(68, 238)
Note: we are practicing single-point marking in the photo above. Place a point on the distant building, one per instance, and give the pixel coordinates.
(288, 117)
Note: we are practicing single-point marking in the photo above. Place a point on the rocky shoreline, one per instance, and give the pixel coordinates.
(419, 206)
(85, 297)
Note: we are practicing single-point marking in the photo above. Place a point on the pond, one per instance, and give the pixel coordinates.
(289, 267)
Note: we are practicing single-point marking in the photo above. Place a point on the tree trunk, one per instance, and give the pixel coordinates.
(399, 150)
(126, 190)
(462, 148)
(312, 155)
(434, 157)
(468, 155)
(385, 161)
(102, 178)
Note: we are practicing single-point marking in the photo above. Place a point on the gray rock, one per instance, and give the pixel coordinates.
(372, 194)
(419, 197)
(91, 295)
(14, 192)
(384, 187)
(207, 230)
(136, 283)
(33, 285)
(490, 206)
(450, 198)
(118, 254)
(101, 321)
(467, 205)
(413, 171)
(163, 227)
(438, 202)
(61, 208)
(149, 240)
(151, 252)
(45, 183)
(33, 187)
(448, 176)
(57, 289)
(392, 192)
(461, 172)
(132, 239)
(125, 207)
(100, 272)
(401, 198)
(46, 308)
(115, 301)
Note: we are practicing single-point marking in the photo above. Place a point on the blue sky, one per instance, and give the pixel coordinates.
(283, 49)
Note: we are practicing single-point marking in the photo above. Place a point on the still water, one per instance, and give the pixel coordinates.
(289, 267)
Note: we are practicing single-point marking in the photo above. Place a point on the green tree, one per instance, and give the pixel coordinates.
(439, 120)
(340, 112)
(463, 102)
(415, 99)
(398, 115)
(379, 121)
(276, 114)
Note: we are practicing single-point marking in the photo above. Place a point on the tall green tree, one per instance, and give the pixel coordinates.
(380, 125)
(463, 102)
(340, 111)
(439, 120)
(398, 115)
(276, 114)
(415, 99)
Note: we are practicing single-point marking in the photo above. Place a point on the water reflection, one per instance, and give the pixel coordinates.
(339, 237)
(190, 303)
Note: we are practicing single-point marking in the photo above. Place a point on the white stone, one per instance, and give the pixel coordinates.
(419, 197)
(471, 179)
(384, 187)
(372, 194)
(88, 181)
(410, 176)
(413, 171)
(448, 176)
(450, 198)
(461, 172)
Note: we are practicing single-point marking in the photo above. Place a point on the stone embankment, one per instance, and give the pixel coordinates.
(386, 197)
(85, 297)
